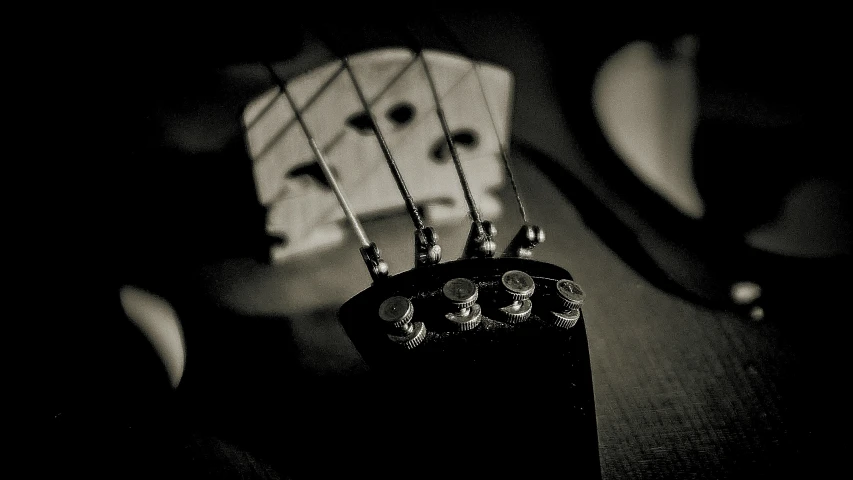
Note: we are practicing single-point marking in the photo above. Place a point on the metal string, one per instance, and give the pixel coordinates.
(330, 177)
(448, 33)
(466, 189)
(392, 164)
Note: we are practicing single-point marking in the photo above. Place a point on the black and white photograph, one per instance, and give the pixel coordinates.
(422, 242)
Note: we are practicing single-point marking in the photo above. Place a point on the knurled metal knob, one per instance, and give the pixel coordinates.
(569, 300)
(517, 314)
(566, 319)
(397, 313)
(461, 292)
(570, 294)
(414, 337)
(518, 285)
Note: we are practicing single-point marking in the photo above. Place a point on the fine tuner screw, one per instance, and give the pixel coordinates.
(427, 249)
(462, 294)
(524, 241)
(571, 298)
(520, 287)
(397, 313)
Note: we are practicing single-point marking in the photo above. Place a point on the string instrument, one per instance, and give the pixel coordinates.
(365, 349)
(457, 350)
(322, 335)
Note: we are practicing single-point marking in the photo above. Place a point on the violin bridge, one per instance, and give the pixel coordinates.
(302, 209)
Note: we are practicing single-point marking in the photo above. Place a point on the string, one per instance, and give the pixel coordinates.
(283, 130)
(392, 164)
(279, 134)
(480, 241)
(448, 33)
(427, 250)
(366, 171)
(466, 189)
(501, 146)
(330, 177)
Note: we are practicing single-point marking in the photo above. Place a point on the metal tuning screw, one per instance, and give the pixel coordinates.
(397, 312)
(375, 264)
(427, 249)
(522, 244)
(519, 286)
(462, 294)
(569, 301)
